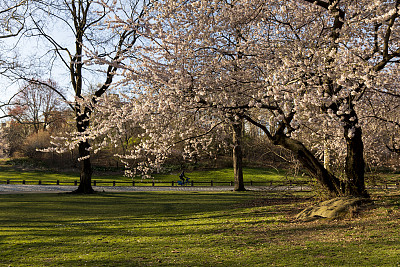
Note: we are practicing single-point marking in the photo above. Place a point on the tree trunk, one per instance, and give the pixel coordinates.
(327, 156)
(355, 163)
(85, 183)
(328, 181)
(238, 156)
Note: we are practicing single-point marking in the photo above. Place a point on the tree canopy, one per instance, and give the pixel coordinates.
(318, 78)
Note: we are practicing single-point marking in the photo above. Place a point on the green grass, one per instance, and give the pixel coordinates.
(223, 175)
(226, 175)
(16, 175)
(50, 176)
(10, 174)
(374, 178)
(191, 229)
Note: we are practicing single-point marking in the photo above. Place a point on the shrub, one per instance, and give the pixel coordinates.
(35, 141)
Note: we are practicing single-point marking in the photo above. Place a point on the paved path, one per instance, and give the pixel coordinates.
(20, 189)
(13, 188)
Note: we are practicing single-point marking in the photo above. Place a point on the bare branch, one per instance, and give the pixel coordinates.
(196, 136)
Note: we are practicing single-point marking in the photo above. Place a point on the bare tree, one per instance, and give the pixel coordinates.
(84, 22)
(12, 22)
(34, 105)
(12, 17)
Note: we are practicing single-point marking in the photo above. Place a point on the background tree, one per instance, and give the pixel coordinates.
(35, 104)
(14, 135)
(35, 113)
(13, 16)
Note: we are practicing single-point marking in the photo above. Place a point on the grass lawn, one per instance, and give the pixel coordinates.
(226, 175)
(216, 175)
(32, 176)
(192, 229)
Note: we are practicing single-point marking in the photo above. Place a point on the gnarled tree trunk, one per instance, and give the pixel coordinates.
(316, 170)
(327, 180)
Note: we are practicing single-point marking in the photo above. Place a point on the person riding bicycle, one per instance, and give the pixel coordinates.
(182, 176)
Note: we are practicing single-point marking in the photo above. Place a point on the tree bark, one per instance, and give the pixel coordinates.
(327, 180)
(355, 164)
(316, 170)
(79, 13)
(85, 183)
(327, 156)
(238, 156)
(354, 185)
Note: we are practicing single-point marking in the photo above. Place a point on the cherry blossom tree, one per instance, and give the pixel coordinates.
(381, 121)
(307, 64)
(160, 128)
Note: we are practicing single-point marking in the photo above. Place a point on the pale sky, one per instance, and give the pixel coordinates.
(30, 50)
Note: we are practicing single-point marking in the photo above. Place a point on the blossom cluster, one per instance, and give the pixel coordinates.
(317, 70)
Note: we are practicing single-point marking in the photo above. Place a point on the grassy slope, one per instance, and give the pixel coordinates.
(226, 175)
(190, 229)
(216, 175)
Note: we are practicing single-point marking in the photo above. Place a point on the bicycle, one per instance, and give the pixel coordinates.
(184, 182)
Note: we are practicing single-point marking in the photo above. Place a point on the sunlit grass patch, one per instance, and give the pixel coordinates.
(224, 175)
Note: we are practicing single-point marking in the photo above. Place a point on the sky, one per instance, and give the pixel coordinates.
(29, 51)
(35, 53)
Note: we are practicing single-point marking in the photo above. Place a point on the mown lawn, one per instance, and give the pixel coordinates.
(224, 175)
(192, 229)
(50, 177)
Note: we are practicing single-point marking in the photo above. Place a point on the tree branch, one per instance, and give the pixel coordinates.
(197, 136)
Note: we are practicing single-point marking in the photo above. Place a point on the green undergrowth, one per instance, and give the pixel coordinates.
(192, 229)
